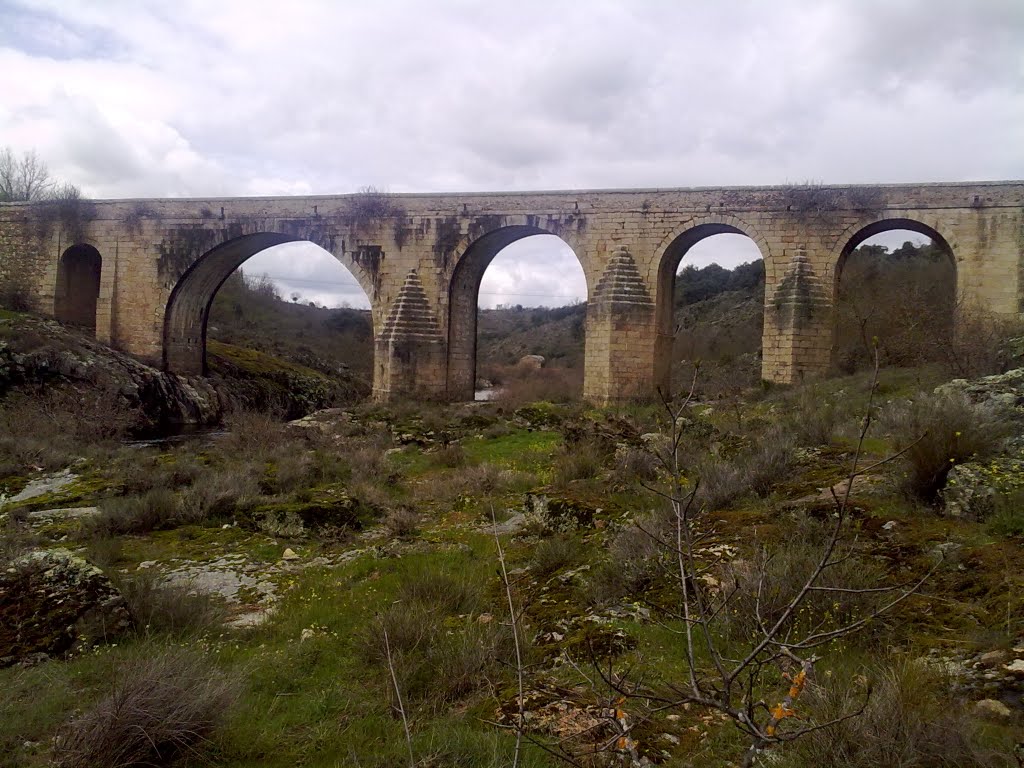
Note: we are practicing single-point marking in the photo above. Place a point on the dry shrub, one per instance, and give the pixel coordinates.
(555, 553)
(901, 305)
(939, 431)
(519, 385)
(139, 474)
(440, 590)
(768, 461)
(723, 481)
(255, 435)
(484, 479)
(436, 662)
(911, 721)
(218, 495)
(170, 609)
(55, 426)
(813, 421)
(584, 461)
(635, 560)
(152, 511)
(635, 464)
(164, 705)
(435, 658)
(983, 343)
(364, 456)
(451, 456)
(401, 523)
(781, 575)
(16, 538)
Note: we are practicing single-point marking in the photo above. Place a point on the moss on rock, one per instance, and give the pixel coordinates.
(52, 602)
(324, 510)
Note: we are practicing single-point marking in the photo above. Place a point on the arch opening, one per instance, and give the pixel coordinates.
(710, 308)
(518, 294)
(294, 301)
(78, 286)
(895, 285)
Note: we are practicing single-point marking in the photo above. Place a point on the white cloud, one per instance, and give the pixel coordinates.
(142, 98)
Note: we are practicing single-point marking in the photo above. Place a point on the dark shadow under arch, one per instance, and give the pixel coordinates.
(889, 225)
(188, 307)
(463, 297)
(78, 286)
(665, 309)
(900, 304)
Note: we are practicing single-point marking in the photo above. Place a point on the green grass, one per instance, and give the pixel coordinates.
(522, 450)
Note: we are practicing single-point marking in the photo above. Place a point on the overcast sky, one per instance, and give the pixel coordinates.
(134, 98)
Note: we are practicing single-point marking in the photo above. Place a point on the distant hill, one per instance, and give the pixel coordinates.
(505, 335)
(248, 312)
(719, 318)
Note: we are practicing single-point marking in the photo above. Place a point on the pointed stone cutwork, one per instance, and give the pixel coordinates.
(800, 296)
(621, 284)
(410, 316)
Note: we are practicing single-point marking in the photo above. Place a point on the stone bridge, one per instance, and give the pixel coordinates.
(143, 273)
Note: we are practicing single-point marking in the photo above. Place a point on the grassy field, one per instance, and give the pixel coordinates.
(396, 510)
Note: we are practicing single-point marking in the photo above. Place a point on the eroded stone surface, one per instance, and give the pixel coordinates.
(424, 293)
(40, 486)
(53, 602)
(62, 513)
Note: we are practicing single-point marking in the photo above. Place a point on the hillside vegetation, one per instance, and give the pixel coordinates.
(302, 594)
(249, 311)
(826, 574)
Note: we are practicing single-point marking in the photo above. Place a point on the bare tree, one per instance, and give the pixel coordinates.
(26, 178)
(738, 683)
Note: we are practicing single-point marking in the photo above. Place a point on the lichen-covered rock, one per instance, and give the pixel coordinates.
(1003, 389)
(974, 488)
(327, 510)
(557, 514)
(322, 420)
(54, 603)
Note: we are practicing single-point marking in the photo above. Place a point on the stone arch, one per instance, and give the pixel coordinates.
(852, 238)
(855, 234)
(472, 259)
(667, 258)
(78, 286)
(188, 307)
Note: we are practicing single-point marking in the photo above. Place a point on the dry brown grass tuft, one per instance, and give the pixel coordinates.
(162, 707)
(401, 523)
(911, 720)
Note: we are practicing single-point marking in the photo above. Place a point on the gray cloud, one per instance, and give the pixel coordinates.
(137, 97)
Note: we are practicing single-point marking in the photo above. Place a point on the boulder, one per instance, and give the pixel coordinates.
(1003, 389)
(326, 510)
(535, 362)
(54, 603)
(973, 489)
(992, 709)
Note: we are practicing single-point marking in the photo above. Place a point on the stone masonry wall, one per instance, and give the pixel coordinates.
(629, 244)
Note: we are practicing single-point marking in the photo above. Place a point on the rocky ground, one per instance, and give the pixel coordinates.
(281, 554)
(38, 353)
